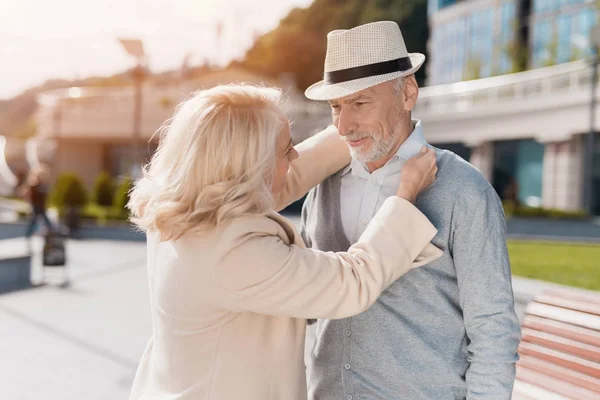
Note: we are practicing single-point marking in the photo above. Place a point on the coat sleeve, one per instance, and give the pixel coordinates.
(319, 157)
(264, 275)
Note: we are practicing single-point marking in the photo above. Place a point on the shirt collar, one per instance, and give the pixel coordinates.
(410, 148)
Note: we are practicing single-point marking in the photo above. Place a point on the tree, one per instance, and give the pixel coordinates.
(551, 52)
(576, 54)
(75, 194)
(69, 191)
(517, 51)
(122, 195)
(69, 196)
(298, 45)
(472, 69)
(104, 190)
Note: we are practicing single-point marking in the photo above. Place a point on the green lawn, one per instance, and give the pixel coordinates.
(564, 263)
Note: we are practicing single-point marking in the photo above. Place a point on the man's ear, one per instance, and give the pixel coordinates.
(410, 91)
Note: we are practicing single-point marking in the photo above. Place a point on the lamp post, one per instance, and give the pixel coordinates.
(589, 147)
(135, 48)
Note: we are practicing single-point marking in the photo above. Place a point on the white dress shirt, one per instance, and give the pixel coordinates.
(362, 193)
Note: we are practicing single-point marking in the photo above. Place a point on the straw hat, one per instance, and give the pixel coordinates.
(363, 57)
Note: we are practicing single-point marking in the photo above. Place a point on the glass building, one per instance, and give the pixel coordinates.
(481, 38)
(476, 43)
(474, 39)
(561, 29)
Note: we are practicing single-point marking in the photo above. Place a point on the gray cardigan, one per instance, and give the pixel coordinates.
(447, 330)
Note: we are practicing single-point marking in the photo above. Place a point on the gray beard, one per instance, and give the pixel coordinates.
(378, 149)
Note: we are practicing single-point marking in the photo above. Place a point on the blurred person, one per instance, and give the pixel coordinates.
(35, 190)
(447, 330)
(231, 282)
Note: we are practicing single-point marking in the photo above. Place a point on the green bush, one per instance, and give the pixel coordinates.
(559, 214)
(511, 210)
(122, 196)
(104, 190)
(101, 215)
(56, 197)
(69, 191)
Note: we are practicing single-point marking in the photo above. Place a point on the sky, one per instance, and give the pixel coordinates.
(44, 39)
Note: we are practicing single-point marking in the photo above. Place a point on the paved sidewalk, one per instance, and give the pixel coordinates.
(80, 343)
(542, 229)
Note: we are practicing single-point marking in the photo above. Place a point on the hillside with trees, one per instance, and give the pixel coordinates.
(299, 43)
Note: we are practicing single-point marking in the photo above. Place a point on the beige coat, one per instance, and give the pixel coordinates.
(229, 308)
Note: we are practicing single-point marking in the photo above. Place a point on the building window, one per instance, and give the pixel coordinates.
(530, 170)
(444, 48)
(585, 21)
(431, 7)
(507, 36)
(561, 35)
(474, 45)
(518, 171)
(564, 39)
(481, 36)
(544, 6)
(460, 50)
(434, 6)
(541, 43)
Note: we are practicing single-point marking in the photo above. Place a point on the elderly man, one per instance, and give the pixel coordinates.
(447, 330)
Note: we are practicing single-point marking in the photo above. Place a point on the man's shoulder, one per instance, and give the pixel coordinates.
(459, 178)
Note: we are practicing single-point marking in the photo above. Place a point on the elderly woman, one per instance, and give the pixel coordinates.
(231, 282)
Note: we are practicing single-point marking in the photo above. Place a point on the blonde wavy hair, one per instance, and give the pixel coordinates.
(214, 163)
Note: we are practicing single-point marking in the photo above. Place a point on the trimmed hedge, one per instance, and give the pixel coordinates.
(69, 191)
(537, 212)
(104, 190)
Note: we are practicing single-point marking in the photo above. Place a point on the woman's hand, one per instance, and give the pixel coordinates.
(417, 174)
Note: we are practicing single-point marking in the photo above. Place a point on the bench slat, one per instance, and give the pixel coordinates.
(554, 385)
(571, 304)
(562, 329)
(577, 295)
(565, 360)
(558, 372)
(568, 346)
(527, 391)
(563, 315)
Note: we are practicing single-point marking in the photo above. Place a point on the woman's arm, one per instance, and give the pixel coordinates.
(319, 157)
(262, 274)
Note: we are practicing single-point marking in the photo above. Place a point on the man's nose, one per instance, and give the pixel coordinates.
(346, 123)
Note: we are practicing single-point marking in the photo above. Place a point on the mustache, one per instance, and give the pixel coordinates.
(354, 136)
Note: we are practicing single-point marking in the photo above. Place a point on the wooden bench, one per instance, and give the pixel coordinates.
(560, 349)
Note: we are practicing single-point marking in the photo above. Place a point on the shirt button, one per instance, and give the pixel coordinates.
(347, 366)
(349, 397)
(348, 332)
(365, 221)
